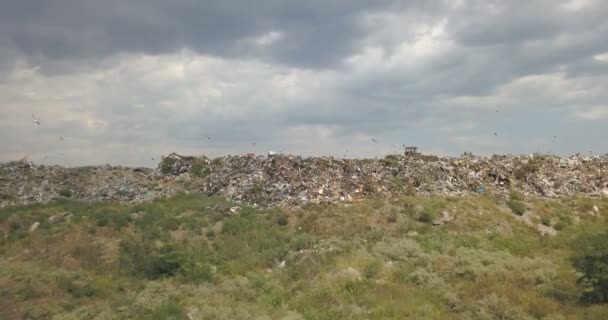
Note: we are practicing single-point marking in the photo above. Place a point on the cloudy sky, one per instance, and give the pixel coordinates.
(123, 82)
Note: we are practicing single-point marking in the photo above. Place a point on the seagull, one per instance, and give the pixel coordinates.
(374, 140)
(35, 120)
(495, 134)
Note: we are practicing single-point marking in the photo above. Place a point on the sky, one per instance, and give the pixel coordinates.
(124, 82)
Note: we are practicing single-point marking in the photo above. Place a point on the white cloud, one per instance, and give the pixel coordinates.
(269, 38)
(603, 57)
(594, 113)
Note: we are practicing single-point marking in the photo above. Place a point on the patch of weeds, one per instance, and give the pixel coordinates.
(372, 270)
(426, 216)
(139, 257)
(303, 241)
(76, 289)
(391, 160)
(120, 221)
(545, 220)
(516, 196)
(66, 193)
(282, 219)
(200, 168)
(518, 207)
(169, 311)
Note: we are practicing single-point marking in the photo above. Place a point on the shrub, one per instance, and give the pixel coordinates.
(545, 221)
(517, 196)
(592, 261)
(391, 160)
(200, 168)
(372, 269)
(169, 311)
(66, 193)
(303, 241)
(518, 207)
(426, 216)
(138, 257)
(282, 220)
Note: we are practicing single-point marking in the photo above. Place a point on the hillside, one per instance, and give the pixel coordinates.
(479, 256)
(286, 237)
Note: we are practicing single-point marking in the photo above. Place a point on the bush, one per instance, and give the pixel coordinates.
(138, 257)
(282, 220)
(518, 207)
(372, 270)
(545, 221)
(66, 193)
(391, 160)
(592, 261)
(169, 311)
(426, 216)
(200, 168)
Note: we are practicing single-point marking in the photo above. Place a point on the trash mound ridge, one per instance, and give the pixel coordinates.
(289, 180)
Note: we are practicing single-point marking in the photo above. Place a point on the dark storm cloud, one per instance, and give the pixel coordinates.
(319, 32)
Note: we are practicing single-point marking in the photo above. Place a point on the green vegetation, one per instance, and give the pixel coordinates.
(66, 193)
(190, 256)
(591, 260)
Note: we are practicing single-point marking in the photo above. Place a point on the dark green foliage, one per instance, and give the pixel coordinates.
(518, 207)
(200, 168)
(169, 311)
(66, 193)
(372, 269)
(139, 257)
(75, 288)
(282, 220)
(303, 241)
(391, 160)
(426, 216)
(591, 260)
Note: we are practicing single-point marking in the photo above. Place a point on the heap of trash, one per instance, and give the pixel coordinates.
(277, 179)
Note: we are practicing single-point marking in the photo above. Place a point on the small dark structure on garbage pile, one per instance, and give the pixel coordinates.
(411, 151)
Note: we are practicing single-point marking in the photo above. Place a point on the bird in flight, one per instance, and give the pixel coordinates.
(61, 138)
(35, 120)
(374, 140)
(496, 134)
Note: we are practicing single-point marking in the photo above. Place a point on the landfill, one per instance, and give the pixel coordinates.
(287, 180)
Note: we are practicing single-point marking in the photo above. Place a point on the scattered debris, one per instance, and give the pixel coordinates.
(34, 226)
(60, 217)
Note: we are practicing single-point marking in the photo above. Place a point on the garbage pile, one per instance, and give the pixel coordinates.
(292, 180)
(25, 182)
(278, 179)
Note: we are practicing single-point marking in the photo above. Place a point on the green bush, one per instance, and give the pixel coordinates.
(426, 216)
(517, 196)
(169, 311)
(282, 220)
(591, 260)
(372, 270)
(518, 207)
(66, 193)
(200, 168)
(138, 257)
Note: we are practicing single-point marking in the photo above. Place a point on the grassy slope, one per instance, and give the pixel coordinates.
(377, 259)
